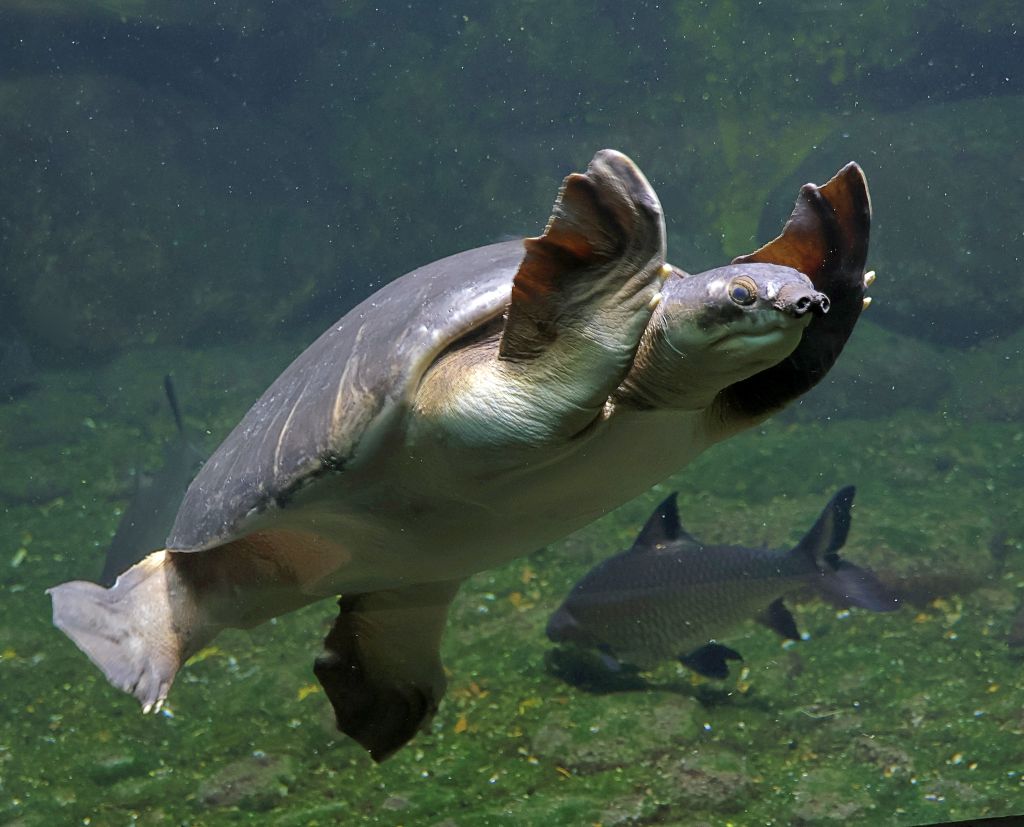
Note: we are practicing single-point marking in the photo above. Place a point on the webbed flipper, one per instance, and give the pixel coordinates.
(139, 631)
(585, 289)
(381, 669)
(826, 238)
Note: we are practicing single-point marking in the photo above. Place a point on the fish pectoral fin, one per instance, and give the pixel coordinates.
(381, 668)
(710, 660)
(780, 619)
(663, 528)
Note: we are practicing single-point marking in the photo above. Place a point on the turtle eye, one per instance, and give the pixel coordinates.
(743, 291)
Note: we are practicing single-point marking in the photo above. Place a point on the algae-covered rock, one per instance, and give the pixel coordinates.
(611, 730)
(111, 767)
(945, 237)
(826, 796)
(988, 381)
(710, 777)
(128, 227)
(255, 783)
(879, 372)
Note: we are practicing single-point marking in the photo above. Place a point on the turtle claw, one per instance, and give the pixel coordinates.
(153, 707)
(869, 279)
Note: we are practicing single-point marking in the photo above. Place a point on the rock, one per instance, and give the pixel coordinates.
(94, 262)
(825, 796)
(255, 783)
(879, 372)
(889, 758)
(115, 766)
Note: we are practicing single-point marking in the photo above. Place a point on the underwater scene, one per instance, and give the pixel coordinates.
(702, 507)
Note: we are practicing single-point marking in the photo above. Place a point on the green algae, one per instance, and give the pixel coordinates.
(906, 718)
(913, 716)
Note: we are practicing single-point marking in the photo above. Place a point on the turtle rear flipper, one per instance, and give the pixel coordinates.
(826, 239)
(130, 630)
(382, 667)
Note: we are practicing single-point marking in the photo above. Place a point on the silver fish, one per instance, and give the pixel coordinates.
(147, 520)
(672, 596)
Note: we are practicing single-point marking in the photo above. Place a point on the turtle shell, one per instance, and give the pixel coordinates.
(316, 414)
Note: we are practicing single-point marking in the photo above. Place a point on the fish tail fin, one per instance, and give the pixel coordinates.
(850, 585)
(841, 582)
(132, 630)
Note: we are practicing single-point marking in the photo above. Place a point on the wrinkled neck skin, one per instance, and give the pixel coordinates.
(699, 341)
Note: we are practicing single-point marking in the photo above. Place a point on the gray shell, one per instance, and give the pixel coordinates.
(315, 414)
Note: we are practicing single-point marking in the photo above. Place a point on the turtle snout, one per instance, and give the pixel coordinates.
(798, 301)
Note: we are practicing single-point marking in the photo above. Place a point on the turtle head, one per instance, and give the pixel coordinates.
(716, 328)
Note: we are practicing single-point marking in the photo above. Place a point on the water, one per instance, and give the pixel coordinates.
(202, 189)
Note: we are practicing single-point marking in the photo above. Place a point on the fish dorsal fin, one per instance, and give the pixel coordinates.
(828, 534)
(172, 400)
(663, 527)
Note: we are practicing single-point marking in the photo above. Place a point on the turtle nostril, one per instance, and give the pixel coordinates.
(813, 302)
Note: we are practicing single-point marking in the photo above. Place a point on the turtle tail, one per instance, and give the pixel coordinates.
(138, 632)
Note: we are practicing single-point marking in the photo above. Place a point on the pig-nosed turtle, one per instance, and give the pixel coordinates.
(469, 412)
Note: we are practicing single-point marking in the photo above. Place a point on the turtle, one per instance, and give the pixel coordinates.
(467, 413)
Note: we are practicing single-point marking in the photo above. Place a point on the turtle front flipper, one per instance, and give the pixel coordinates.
(585, 289)
(381, 668)
(826, 238)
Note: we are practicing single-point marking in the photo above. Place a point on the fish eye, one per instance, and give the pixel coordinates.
(743, 291)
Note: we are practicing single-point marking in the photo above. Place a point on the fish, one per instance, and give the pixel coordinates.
(671, 596)
(18, 373)
(147, 520)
